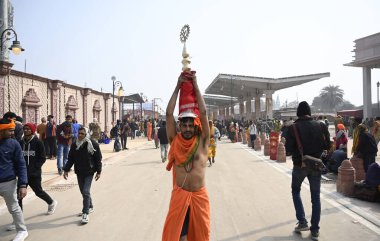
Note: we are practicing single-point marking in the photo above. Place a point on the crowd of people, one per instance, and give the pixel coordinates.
(24, 149)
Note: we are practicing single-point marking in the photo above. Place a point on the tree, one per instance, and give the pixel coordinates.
(332, 96)
(345, 105)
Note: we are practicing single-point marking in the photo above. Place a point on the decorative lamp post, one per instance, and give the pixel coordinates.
(15, 47)
(115, 83)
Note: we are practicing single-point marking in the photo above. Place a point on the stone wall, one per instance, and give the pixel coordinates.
(33, 97)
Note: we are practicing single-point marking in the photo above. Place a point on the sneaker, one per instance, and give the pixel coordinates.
(90, 210)
(60, 172)
(11, 227)
(85, 218)
(21, 236)
(51, 207)
(314, 235)
(301, 227)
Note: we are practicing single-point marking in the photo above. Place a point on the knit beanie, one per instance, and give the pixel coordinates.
(32, 127)
(303, 109)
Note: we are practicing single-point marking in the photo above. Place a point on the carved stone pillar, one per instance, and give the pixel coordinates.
(248, 111)
(107, 111)
(241, 109)
(269, 103)
(54, 87)
(215, 114)
(257, 106)
(85, 93)
(221, 113)
(232, 111)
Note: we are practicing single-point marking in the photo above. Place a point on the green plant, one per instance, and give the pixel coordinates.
(276, 126)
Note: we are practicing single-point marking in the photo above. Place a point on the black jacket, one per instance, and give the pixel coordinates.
(84, 163)
(314, 137)
(367, 145)
(34, 155)
(162, 136)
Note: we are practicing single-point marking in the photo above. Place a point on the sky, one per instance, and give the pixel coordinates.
(87, 42)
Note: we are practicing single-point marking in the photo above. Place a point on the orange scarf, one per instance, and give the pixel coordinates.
(182, 151)
(11, 125)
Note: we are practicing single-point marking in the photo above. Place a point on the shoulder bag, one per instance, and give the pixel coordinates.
(312, 163)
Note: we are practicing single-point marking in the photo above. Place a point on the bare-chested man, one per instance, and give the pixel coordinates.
(189, 211)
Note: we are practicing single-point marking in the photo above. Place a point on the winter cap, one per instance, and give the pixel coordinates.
(31, 126)
(340, 127)
(303, 109)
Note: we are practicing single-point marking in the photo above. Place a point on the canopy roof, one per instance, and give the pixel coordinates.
(241, 86)
(134, 98)
(219, 100)
(367, 52)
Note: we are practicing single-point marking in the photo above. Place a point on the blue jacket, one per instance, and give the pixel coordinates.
(12, 162)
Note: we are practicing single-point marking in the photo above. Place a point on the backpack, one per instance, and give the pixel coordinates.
(117, 145)
(114, 132)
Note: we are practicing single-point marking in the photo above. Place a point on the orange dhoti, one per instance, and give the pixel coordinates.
(199, 218)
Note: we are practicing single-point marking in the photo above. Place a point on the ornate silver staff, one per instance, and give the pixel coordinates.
(184, 35)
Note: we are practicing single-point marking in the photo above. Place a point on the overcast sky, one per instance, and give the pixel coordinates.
(88, 41)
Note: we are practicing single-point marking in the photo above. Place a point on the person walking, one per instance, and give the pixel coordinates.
(188, 217)
(95, 130)
(149, 130)
(18, 129)
(51, 139)
(124, 134)
(134, 127)
(64, 138)
(12, 166)
(75, 126)
(164, 143)
(214, 135)
(86, 157)
(315, 138)
(34, 155)
(252, 133)
(41, 130)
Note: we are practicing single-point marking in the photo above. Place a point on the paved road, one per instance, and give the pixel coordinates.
(250, 200)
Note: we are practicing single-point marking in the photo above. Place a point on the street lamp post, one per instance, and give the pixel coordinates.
(154, 106)
(15, 47)
(115, 83)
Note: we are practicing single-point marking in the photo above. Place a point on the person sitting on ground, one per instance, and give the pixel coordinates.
(372, 177)
(337, 157)
(341, 136)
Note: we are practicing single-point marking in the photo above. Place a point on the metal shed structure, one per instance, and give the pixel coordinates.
(226, 90)
(367, 56)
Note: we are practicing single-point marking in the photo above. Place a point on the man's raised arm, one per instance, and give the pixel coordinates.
(170, 121)
(202, 110)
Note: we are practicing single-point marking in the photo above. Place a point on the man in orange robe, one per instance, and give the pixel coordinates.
(189, 211)
(149, 130)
